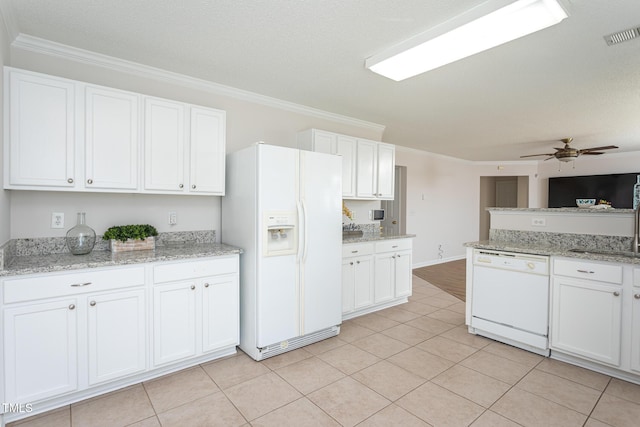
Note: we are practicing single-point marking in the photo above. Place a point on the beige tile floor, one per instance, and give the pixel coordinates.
(411, 365)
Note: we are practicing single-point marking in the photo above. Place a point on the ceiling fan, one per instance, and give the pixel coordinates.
(566, 153)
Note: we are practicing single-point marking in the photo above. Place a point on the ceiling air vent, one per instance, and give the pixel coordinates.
(622, 36)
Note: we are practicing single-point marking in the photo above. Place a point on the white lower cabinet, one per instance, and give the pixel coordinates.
(586, 319)
(375, 275)
(69, 336)
(635, 331)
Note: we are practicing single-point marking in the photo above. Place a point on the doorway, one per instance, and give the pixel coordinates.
(395, 216)
(501, 192)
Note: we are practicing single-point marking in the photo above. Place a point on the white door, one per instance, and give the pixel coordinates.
(174, 327)
(207, 146)
(592, 332)
(41, 350)
(386, 170)
(220, 317)
(403, 274)
(41, 131)
(321, 252)
(112, 130)
(164, 145)
(277, 293)
(366, 169)
(364, 284)
(116, 334)
(384, 277)
(346, 147)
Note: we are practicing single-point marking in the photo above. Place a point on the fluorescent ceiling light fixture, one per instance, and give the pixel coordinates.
(488, 25)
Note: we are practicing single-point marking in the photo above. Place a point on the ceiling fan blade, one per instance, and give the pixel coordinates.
(606, 147)
(549, 158)
(591, 153)
(535, 155)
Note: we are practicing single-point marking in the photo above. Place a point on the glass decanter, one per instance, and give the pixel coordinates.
(81, 239)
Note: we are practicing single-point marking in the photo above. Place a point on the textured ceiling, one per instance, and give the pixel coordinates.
(512, 100)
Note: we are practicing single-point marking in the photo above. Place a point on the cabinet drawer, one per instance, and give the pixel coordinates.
(174, 271)
(393, 245)
(584, 269)
(57, 285)
(357, 249)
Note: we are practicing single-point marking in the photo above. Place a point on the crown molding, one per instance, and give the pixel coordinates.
(46, 47)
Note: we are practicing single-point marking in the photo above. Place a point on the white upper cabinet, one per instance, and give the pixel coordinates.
(208, 130)
(39, 131)
(367, 166)
(111, 139)
(67, 135)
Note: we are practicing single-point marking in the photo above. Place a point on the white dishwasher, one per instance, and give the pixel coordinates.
(510, 298)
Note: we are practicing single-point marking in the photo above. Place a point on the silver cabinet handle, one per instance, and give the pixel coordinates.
(206, 285)
(193, 287)
(72, 306)
(181, 186)
(616, 294)
(79, 285)
(354, 252)
(637, 296)
(70, 180)
(586, 271)
(89, 181)
(92, 303)
(394, 246)
(193, 186)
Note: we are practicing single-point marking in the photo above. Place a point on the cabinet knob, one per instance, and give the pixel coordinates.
(357, 262)
(616, 294)
(393, 256)
(193, 287)
(89, 181)
(351, 263)
(70, 180)
(206, 285)
(398, 255)
(181, 186)
(92, 303)
(637, 296)
(193, 186)
(72, 306)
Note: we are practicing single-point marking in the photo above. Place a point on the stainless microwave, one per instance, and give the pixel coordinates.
(377, 215)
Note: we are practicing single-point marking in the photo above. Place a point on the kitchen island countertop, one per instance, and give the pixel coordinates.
(65, 261)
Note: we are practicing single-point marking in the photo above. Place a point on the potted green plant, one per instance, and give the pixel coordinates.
(131, 237)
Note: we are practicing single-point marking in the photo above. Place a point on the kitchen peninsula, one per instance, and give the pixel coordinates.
(572, 268)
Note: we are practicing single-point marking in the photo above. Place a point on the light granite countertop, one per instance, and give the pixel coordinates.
(589, 210)
(370, 237)
(20, 265)
(553, 250)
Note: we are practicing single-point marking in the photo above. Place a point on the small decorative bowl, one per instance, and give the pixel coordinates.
(585, 203)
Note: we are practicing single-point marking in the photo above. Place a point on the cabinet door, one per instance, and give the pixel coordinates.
(586, 319)
(111, 139)
(174, 327)
(384, 277)
(41, 350)
(635, 331)
(207, 146)
(363, 282)
(220, 313)
(116, 334)
(386, 170)
(324, 142)
(348, 285)
(366, 169)
(164, 145)
(41, 131)
(403, 274)
(346, 147)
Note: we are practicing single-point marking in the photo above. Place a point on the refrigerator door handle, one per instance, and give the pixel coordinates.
(300, 234)
(305, 240)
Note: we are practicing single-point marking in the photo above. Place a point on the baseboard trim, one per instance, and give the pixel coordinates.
(438, 261)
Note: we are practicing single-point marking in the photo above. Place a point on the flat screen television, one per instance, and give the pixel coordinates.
(615, 188)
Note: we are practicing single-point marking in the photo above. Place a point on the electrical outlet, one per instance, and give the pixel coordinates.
(173, 218)
(57, 220)
(539, 222)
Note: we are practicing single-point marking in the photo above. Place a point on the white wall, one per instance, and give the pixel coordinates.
(5, 196)
(247, 122)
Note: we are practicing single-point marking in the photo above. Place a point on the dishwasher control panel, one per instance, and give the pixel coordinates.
(535, 264)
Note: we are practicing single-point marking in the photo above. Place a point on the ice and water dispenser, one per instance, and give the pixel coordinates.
(280, 237)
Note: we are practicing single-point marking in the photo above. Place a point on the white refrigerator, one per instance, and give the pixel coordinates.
(283, 207)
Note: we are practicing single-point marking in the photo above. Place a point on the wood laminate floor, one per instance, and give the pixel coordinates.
(448, 276)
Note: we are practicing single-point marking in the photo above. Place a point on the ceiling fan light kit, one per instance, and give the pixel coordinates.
(490, 24)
